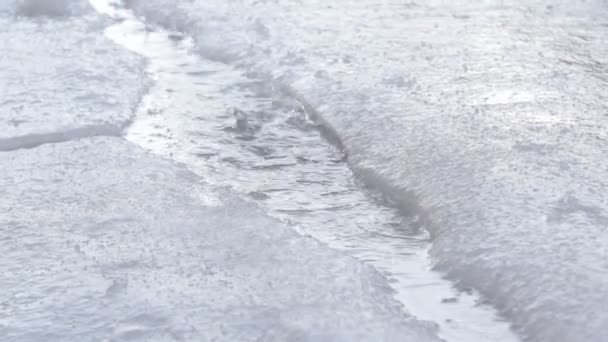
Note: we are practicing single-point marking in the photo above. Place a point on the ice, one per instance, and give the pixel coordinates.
(50, 8)
(485, 120)
(239, 131)
(44, 7)
(102, 241)
(62, 79)
(55, 9)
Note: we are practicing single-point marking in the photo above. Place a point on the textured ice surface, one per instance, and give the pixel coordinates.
(61, 79)
(104, 242)
(487, 120)
(50, 8)
(240, 131)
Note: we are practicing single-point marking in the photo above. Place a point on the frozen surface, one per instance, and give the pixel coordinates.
(50, 8)
(59, 77)
(485, 121)
(240, 131)
(104, 242)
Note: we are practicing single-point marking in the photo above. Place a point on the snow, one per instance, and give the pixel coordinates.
(484, 120)
(102, 241)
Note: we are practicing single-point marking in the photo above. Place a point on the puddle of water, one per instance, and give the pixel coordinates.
(243, 133)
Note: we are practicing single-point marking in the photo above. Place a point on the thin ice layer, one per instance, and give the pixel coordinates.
(50, 8)
(104, 242)
(62, 79)
(487, 120)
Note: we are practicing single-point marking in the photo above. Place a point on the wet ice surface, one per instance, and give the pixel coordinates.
(49, 8)
(241, 131)
(487, 120)
(102, 241)
(58, 79)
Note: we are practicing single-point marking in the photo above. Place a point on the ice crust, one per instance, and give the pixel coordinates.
(48, 8)
(102, 241)
(62, 79)
(486, 120)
